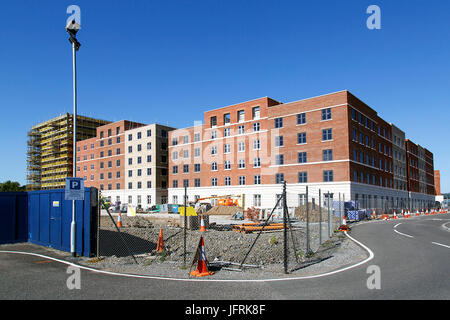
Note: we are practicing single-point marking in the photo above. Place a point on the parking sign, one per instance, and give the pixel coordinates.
(74, 189)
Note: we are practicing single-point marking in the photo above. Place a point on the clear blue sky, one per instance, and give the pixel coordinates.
(169, 61)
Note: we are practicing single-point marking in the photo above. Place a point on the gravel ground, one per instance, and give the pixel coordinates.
(224, 250)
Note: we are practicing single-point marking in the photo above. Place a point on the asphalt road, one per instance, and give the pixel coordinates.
(413, 256)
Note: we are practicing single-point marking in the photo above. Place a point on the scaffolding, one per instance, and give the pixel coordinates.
(50, 150)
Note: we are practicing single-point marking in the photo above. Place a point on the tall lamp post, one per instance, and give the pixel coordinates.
(72, 28)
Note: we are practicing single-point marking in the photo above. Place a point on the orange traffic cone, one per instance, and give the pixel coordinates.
(395, 215)
(374, 214)
(202, 262)
(119, 221)
(344, 226)
(426, 212)
(160, 246)
(417, 213)
(202, 225)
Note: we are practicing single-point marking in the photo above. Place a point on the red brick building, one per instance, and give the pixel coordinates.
(334, 142)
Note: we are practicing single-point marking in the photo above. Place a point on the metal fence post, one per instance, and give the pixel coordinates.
(320, 218)
(185, 225)
(340, 211)
(329, 216)
(308, 247)
(284, 228)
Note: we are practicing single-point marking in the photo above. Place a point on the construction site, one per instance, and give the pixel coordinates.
(50, 150)
(235, 238)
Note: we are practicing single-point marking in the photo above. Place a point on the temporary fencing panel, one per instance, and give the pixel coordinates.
(50, 218)
(13, 215)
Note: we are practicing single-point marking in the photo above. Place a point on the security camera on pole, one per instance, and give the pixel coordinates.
(72, 27)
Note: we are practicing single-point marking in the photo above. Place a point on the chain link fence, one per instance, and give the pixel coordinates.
(298, 230)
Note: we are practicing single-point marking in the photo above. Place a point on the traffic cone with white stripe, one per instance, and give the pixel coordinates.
(119, 221)
(202, 262)
(395, 216)
(202, 224)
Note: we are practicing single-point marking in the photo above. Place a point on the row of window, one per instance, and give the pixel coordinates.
(328, 176)
(369, 160)
(130, 185)
(368, 178)
(301, 118)
(369, 124)
(240, 117)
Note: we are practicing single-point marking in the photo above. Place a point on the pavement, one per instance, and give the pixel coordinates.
(412, 256)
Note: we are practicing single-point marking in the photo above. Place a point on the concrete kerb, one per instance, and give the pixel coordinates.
(131, 275)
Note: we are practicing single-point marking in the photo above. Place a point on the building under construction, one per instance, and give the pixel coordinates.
(50, 150)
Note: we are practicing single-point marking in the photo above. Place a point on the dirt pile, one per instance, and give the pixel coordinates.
(313, 215)
(224, 210)
(127, 222)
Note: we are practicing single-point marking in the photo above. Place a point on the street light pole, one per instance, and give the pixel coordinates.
(72, 28)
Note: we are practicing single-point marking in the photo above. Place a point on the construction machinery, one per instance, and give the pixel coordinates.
(226, 200)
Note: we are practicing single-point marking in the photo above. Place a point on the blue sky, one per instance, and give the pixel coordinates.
(169, 61)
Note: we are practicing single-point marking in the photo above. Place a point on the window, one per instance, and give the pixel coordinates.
(279, 178)
(241, 129)
(185, 168)
(101, 165)
(226, 119)
(139, 159)
(197, 152)
(301, 138)
(227, 165)
(327, 155)
(256, 200)
(139, 172)
(302, 157)
(257, 162)
(185, 139)
(227, 148)
(327, 135)
(255, 113)
(302, 177)
(139, 147)
(213, 121)
(149, 145)
(279, 159)
(175, 183)
(226, 132)
(109, 142)
(241, 116)
(130, 173)
(109, 164)
(149, 158)
(354, 117)
(149, 133)
(186, 183)
(197, 167)
(174, 141)
(241, 146)
(279, 141)
(301, 118)
(241, 164)
(185, 153)
(174, 155)
(118, 151)
(196, 137)
(118, 140)
(139, 135)
(149, 171)
(214, 150)
(256, 144)
(279, 123)
(326, 114)
(197, 182)
(227, 181)
(214, 182)
(257, 179)
(328, 175)
(214, 166)
(130, 186)
(241, 180)
(256, 126)
(130, 137)
(130, 149)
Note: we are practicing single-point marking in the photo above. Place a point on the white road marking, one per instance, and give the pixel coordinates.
(403, 234)
(440, 244)
(371, 256)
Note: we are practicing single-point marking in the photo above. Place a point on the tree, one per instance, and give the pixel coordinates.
(11, 186)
